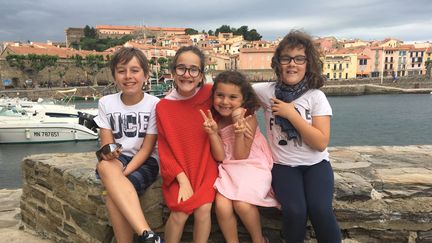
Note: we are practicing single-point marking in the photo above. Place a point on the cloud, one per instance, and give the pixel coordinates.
(40, 20)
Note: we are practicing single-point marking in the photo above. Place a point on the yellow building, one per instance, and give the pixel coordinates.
(340, 66)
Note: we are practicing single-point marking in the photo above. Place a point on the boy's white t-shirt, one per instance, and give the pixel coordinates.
(129, 124)
(293, 152)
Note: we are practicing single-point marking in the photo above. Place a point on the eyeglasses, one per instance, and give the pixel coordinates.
(193, 71)
(299, 60)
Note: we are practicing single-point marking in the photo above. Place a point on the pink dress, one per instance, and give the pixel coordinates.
(247, 180)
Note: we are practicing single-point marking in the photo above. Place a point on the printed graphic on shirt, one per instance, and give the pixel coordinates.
(131, 124)
(281, 138)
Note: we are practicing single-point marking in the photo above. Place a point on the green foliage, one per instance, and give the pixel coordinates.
(16, 60)
(36, 62)
(95, 62)
(78, 60)
(90, 41)
(190, 31)
(210, 32)
(90, 32)
(162, 60)
(224, 29)
(39, 62)
(250, 35)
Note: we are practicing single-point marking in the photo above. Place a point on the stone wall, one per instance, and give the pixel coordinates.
(64, 71)
(382, 194)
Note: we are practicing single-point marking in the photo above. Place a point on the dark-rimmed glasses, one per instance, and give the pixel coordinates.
(285, 60)
(180, 70)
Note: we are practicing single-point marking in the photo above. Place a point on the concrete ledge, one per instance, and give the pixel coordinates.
(381, 194)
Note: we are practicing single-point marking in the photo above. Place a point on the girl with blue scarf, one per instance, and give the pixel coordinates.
(297, 118)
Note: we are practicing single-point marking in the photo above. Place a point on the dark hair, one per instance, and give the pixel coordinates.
(125, 54)
(250, 99)
(194, 50)
(299, 39)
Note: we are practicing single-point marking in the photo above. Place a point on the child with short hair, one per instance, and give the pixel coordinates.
(128, 118)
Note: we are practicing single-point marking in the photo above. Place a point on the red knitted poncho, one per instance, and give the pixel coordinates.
(184, 147)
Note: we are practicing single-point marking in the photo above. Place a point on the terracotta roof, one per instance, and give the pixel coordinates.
(116, 27)
(138, 27)
(258, 50)
(363, 57)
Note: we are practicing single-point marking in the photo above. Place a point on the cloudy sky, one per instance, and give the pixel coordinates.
(41, 20)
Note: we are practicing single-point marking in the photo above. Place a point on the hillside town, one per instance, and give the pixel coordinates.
(342, 59)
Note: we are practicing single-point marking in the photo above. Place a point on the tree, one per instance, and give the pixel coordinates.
(210, 32)
(224, 29)
(90, 32)
(252, 35)
(242, 31)
(190, 31)
(428, 65)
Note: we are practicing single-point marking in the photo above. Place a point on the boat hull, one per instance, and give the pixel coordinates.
(45, 133)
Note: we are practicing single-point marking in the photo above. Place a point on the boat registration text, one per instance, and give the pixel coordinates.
(46, 134)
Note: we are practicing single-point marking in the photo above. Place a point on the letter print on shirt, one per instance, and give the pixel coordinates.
(129, 124)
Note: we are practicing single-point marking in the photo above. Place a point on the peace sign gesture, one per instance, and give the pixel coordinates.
(241, 126)
(210, 125)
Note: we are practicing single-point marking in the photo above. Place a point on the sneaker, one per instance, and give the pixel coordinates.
(149, 237)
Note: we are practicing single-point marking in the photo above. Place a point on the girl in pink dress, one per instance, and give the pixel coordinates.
(244, 180)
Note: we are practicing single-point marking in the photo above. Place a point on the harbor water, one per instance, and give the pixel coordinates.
(402, 119)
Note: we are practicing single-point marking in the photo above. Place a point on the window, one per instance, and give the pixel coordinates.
(346, 75)
(391, 59)
(363, 62)
(347, 65)
(334, 74)
(328, 75)
(385, 66)
(340, 66)
(340, 75)
(386, 59)
(334, 67)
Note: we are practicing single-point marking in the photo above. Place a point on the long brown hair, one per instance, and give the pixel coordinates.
(250, 100)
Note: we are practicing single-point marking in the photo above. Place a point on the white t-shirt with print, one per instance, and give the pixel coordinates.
(293, 152)
(129, 124)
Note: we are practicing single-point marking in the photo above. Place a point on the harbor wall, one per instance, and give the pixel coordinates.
(382, 194)
(89, 92)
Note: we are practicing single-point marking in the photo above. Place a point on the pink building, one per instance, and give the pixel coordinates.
(253, 58)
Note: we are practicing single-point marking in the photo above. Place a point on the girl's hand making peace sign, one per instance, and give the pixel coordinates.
(210, 125)
(241, 126)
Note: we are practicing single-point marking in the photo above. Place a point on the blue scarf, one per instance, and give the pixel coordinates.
(288, 93)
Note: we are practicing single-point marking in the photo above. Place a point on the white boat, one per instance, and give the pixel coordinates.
(16, 126)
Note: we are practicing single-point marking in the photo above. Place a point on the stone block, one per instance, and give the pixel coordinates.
(55, 205)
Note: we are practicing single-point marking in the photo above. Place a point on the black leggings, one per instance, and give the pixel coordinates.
(306, 191)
